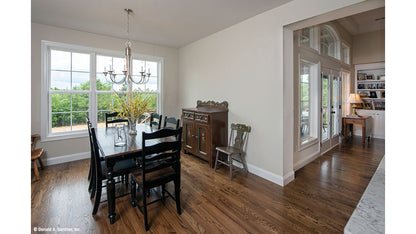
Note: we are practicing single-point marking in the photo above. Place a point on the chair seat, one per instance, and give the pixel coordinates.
(121, 167)
(229, 150)
(154, 176)
(36, 153)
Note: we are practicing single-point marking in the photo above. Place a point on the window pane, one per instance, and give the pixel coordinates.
(61, 122)
(118, 65)
(151, 85)
(80, 102)
(61, 102)
(153, 103)
(80, 62)
(104, 100)
(60, 60)
(102, 83)
(60, 80)
(305, 99)
(306, 37)
(80, 81)
(103, 62)
(325, 110)
(152, 67)
(138, 66)
(78, 121)
(101, 118)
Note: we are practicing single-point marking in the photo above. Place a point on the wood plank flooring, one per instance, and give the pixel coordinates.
(320, 200)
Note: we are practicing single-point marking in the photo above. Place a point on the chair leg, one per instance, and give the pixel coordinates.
(35, 169)
(163, 192)
(97, 199)
(243, 161)
(89, 177)
(230, 164)
(146, 224)
(93, 184)
(133, 193)
(216, 160)
(41, 163)
(178, 195)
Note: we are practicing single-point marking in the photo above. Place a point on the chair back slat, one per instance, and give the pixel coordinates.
(156, 120)
(238, 136)
(162, 147)
(111, 118)
(172, 121)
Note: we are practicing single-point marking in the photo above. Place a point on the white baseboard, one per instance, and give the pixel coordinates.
(306, 161)
(277, 179)
(67, 158)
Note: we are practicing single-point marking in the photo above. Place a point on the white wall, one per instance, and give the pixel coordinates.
(243, 65)
(43, 32)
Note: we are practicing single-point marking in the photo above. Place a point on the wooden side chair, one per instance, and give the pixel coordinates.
(155, 120)
(111, 118)
(160, 165)
(171, 123)
(35, 155)
(235, 148)
(122, 168)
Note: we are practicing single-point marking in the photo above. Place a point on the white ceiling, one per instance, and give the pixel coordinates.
(172, 23)
(368, 21)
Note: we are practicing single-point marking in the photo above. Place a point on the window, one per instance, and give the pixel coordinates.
(69, 90)
(345, 51)
(329, 42)
(307, 102)
(74, 87)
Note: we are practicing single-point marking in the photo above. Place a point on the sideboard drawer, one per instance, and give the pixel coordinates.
(188, 115)
(202, 117)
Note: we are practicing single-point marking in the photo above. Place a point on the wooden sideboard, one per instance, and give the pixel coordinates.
(205, 128)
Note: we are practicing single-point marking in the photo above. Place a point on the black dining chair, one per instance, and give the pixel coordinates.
(171, 123)
(155, 120)
(122, 168)
(111, 118)
(160, 165)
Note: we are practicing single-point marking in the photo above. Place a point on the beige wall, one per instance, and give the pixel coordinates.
(369, 47)
(49, 33)
(243, 65)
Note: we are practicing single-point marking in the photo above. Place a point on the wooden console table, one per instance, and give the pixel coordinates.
(364, 121)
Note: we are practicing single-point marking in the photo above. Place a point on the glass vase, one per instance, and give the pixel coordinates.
(132, 126)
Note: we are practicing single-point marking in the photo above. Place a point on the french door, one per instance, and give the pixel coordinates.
(331, 116)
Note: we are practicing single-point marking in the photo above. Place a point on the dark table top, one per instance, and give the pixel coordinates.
(105, 138)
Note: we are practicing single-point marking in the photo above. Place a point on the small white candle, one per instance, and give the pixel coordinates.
(105, 69)
(124, 67)
(148, 70)
(142, 68)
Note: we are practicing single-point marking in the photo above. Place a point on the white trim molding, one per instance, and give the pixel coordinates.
(67, 158)
(277, 179)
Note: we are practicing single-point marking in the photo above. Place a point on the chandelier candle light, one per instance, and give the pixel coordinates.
(128, 77)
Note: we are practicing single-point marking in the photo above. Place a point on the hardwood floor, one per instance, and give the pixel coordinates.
(320, 199)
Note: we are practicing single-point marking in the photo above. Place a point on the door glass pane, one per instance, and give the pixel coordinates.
(325, 107)
(305, 100)
(335, 105)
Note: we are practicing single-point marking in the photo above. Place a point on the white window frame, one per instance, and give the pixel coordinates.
(46, 47)
(312, 138)
(343, 43)
(314, 39)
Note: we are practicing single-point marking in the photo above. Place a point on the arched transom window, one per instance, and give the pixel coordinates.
(329, 42)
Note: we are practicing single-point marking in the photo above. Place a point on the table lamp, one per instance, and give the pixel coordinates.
(354, 98)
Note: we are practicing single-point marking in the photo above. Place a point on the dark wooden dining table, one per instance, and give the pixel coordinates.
(112, 154)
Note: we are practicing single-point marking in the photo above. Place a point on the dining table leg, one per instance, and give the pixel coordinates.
(111, 192)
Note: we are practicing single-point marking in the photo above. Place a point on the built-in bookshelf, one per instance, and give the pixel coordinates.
(370, 84)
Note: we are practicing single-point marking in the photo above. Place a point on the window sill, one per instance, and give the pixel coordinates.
(307, 142)
(65, 136)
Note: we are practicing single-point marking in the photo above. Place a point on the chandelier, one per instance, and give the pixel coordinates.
(128, 77)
